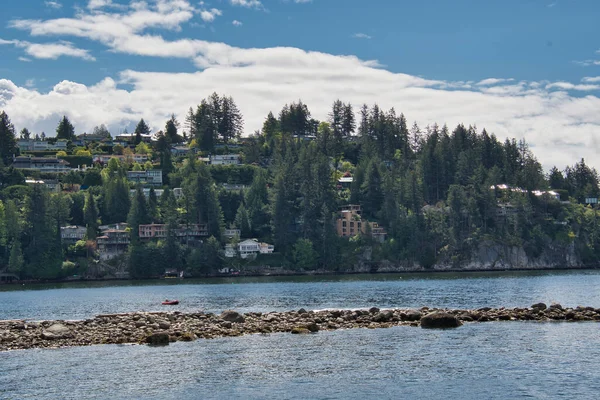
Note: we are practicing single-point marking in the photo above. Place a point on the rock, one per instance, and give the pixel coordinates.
(439, 320)
(232, 316)
(164, 325)
(313, 327)
(57, 331)
(226, 324)
(188, 337)
(302, 311)
(139, 324)
(299, 330)
(373, 310)
(158, 339)
(384, 316)
(412, 316)
(539, 306)
(484, 309)
(556, 306)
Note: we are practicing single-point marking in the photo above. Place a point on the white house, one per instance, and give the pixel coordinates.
(225, 159)
(249, 248)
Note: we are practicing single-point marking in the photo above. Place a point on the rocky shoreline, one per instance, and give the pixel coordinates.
(163, 327)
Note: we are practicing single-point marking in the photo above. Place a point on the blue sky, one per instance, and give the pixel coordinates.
(520, 68)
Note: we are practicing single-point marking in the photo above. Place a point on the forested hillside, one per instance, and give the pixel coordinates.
(440, 194)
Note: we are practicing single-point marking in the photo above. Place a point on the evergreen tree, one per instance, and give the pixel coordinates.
(138, 214)
(90, 212)
(116, 200)
(171, 131)
(15, 261)
(270, 127)
(257, 204)
(141, 129)
(153, 211)
(371, 193)
(242, 221)
(204, 207)
(65, 129)
(190, 125)
(348, 120)
(8, 141)
(25, 134)
(231, 122)
(43, 253)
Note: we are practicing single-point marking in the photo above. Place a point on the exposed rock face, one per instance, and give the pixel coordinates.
(439, 320)
(165, 327)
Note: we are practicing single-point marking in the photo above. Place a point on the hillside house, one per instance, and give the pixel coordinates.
(184, 233)
(113, 243)
(72, 234)
(225, 159)
(152, 177)
(249, 248)
(350, 223)
(42, 164)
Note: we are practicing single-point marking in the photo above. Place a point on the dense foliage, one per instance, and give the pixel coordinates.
(439, 194)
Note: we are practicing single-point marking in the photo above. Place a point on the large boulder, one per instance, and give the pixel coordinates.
(411, 315)
(232, 316)
(57, 331)
(158, 339)
(539, 306)
(439, 320)
(383, 316)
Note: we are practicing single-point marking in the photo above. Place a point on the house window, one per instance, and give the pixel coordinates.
(344, 224)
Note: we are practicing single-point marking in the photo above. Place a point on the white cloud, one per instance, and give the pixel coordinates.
(49, 50)
(235, 22)
(571, 86)
(264, 79)
(362, 36)
(247, 3)
(587, 63)
(492, 81)
(591, 79)
(53, 4)
(96, 4)
(302, 1)
(210, 15)
(30, 83)
(24, 59)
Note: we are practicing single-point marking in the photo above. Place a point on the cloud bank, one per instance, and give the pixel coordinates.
(560, 120)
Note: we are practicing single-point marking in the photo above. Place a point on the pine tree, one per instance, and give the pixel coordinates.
(25, 134)
(138, 214)
(141, 129)
(65, 129)
(270, 127)
(90, 212)
(171, 131)
(8, 141)
(242, 221)
(15, 261)
(348, 120)
(257, 200)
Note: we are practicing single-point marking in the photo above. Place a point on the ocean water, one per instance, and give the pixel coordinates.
(453, 290)
(496, 360)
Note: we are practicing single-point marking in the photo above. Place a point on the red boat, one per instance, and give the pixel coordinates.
(168, 302)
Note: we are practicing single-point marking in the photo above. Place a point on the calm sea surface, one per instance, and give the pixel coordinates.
(503, 360)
